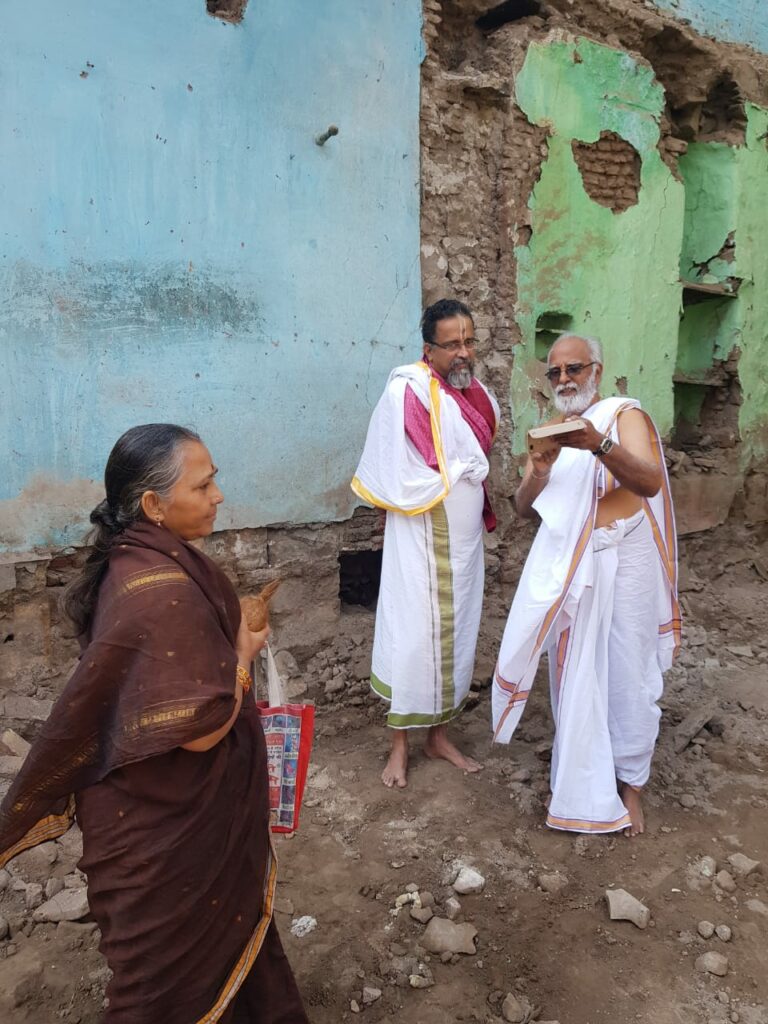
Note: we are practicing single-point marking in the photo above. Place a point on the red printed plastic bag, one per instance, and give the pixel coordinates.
(288, 730)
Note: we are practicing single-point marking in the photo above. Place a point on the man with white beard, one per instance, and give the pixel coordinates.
(425, 461)
(598, 593)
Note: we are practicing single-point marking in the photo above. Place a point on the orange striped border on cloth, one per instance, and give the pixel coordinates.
(247, 958)
(50, 827)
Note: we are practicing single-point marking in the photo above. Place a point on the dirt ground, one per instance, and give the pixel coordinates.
(360, 846)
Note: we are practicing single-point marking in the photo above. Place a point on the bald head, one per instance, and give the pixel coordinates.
(589, 350)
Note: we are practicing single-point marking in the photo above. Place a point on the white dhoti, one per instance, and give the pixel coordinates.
(602, 603)
(428, 614)
(432, 575)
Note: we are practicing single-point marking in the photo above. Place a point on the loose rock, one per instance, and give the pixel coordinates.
(370, 995)
(422, 914)
(743, 866)
(515, 1009)
(469, 880)
(553, 883)
(723, 932)
(622, 906)
(444, 936)
(303, 925)
(724, 880)
(712, 963)
(688, 800)
(67, 905)
(706, 929)
(452, 908)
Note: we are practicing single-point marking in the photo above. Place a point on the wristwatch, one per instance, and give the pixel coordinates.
(603, 448)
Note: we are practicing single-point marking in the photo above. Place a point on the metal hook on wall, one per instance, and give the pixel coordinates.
(322, 138)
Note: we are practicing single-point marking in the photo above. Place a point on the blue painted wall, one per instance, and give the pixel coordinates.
(732, 21)
(174, 246)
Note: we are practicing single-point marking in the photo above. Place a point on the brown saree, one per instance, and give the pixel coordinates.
(176, 844)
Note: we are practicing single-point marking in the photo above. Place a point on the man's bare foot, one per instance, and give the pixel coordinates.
(395, 772)
(438, 745)
(631, 799)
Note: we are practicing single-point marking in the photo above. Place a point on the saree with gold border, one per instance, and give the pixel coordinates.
(176, 844)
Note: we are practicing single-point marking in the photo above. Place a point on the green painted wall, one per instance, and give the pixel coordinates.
(727, 191)
(616, 274)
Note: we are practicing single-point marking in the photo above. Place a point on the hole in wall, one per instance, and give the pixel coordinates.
(8, 638)
(549, 327)
(227, 10)
(621, 385)
(359, 577)
(723, 117)
(610, 170)
(504, 13)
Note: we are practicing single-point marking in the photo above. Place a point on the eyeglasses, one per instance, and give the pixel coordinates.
(570, 370)
(455, 346)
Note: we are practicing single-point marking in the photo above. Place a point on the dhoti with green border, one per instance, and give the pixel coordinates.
(428, 615)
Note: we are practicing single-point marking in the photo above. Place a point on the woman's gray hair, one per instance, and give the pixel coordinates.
(593, 345)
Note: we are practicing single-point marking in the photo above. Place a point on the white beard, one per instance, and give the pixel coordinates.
(572, 402)
(460, 378)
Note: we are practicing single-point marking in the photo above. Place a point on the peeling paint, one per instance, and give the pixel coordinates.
(175, 247)
(741, 21)
(614, 274)
(725, 198)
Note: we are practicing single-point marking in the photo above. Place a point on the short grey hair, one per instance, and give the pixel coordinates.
(593, 345)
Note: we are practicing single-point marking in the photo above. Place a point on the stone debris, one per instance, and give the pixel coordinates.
(712, 963)
(758, 907)
(17, 745)
(724, 880)
(516, 1009)
(687, 800)
(692, 724)
(444, 936)
(370, 995)
(553, 882)
(706, 867)
(354, 1006)
(407, 897)
(468, 880)
(723, 932)
(452, 908)
(422, 914)
(705, 929)
(67, 905)
(622, 906)
(302, 926)
(743, 866)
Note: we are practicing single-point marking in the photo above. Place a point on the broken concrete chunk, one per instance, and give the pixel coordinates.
(444, 936)
(622, 906)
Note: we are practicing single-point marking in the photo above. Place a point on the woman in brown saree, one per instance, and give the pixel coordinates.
(156, 746)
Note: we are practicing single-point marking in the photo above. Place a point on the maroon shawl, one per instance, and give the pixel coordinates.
(175, 843)
(477, 412)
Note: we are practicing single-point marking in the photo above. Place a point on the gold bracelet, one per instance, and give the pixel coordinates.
(244, 678)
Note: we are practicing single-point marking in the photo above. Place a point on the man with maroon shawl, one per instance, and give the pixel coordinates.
(156, 745)
(425, 461)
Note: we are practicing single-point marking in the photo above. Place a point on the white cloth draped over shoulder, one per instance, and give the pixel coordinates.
(564, 604)
(432, 576)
